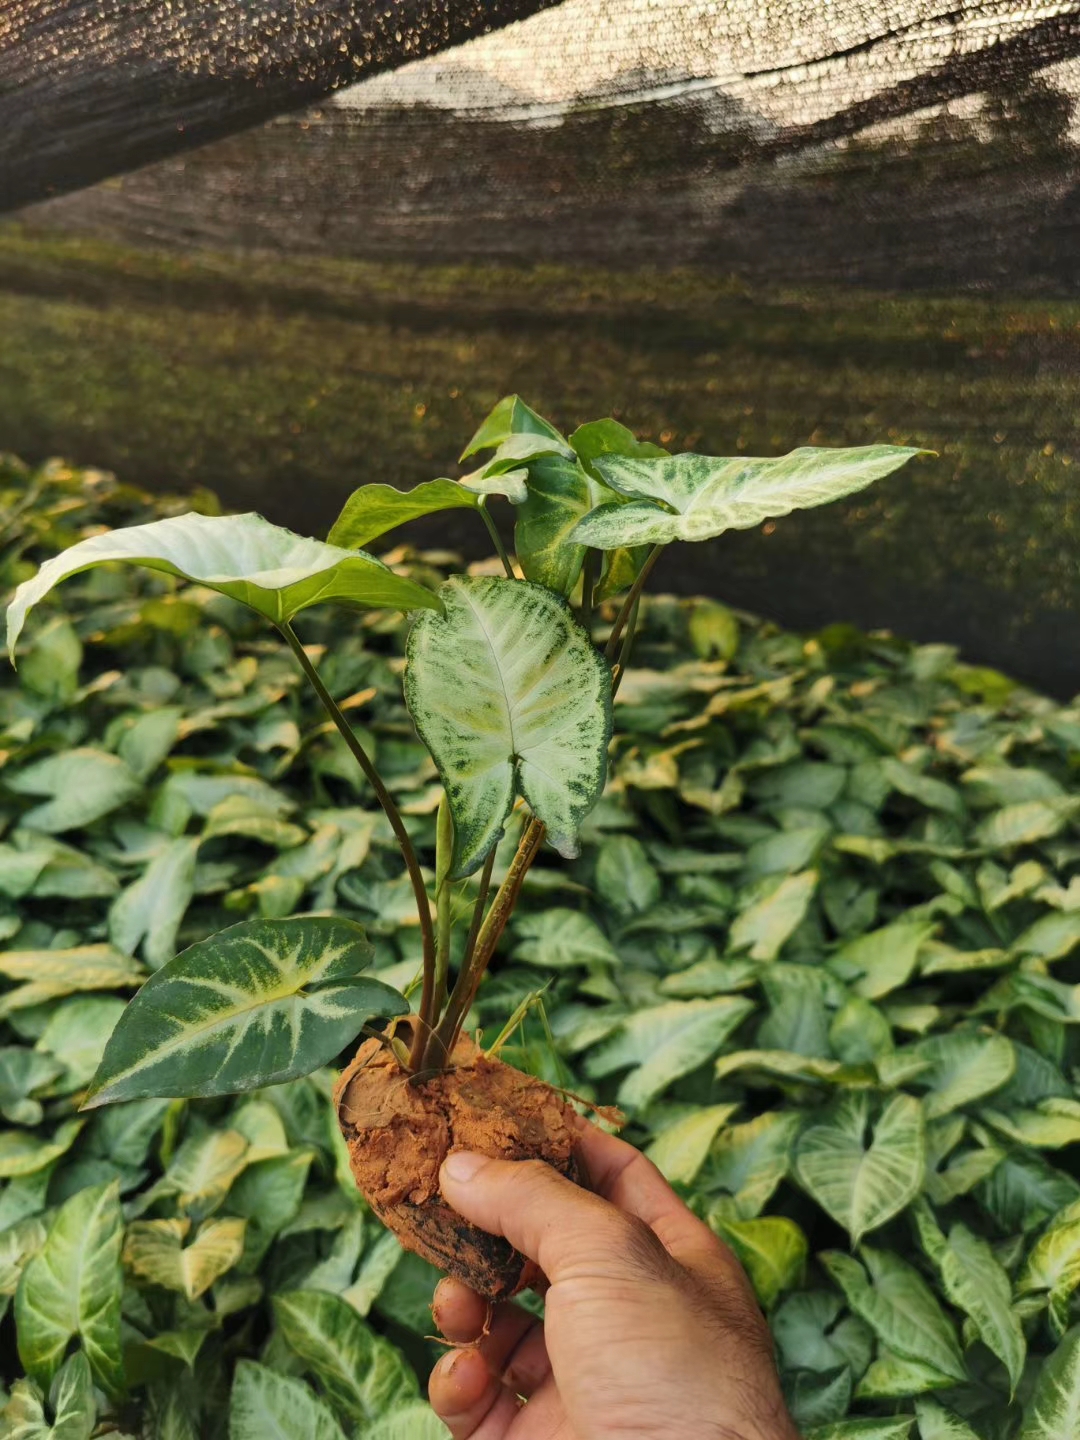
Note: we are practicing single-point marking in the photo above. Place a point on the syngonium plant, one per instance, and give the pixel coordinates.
(507, 690)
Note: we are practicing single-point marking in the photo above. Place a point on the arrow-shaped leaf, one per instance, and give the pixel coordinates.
(510, 696)
(264, 566)
(262, 1002)
(694, 497)
(155, 1250)
(374, 509)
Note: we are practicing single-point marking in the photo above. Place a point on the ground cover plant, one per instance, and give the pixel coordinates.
(817, 944)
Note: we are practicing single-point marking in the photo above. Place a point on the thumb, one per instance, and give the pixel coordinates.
(565, 1229)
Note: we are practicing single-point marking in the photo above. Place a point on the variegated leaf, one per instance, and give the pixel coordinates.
(155, 1251)
(510, 696)
(262, 1002)
(694, 497)
(273, 570)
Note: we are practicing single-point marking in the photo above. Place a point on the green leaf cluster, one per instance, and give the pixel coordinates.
(821, 942)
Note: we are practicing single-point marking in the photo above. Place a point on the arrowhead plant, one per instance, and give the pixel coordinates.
(507, 688)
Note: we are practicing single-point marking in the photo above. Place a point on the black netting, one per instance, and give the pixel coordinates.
(740, 227)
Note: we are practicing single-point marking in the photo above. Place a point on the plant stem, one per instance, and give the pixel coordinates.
(631, 600)
(393, 814)
(444, 844)
(589, 575)
(436, 1053)
(626, 648)
(496, 539)
(472, 973)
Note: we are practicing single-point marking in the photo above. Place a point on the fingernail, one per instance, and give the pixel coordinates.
(462, 1165)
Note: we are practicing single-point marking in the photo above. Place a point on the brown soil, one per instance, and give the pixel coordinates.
(398, 1134)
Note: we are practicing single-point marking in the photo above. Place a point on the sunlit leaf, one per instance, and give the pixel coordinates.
(694, 497)
(772, 1248)
(374, 509)
(262, 1002)
(510, 697)
(511, 416)
(155, 1250)
(270, 569)
(764, 927)
(679, 1150)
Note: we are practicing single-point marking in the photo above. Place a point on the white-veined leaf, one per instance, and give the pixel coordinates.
(411, 1422)
(862, 1185)
(891, 1377)
(750, 1160)
(937, 1423)
(510, 696)
(900, 1308)
(679, 1150)
(664, 1042)
(1053, 1412)
(82, 784)
(72, 1288)
(694, 497)
(264, 566)
(150, 911)
(559, 938)
(882, 960)
(374, 509)
(364, 1376)
(899, 1429)
(266, 1406)
(262, 1002)
(963, 1065)
(765, 926)
(811, 1335)
(71, 1400)
(155, 1251)
(24, 1152)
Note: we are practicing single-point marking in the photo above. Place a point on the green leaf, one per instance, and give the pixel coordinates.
(1051, 937)
(772, 1248)
(859, 1185)
(559, 938)
(863, 1430)
(267, 1406)
(155, 1251)
(71, 1288)
(1053, 1412)
(891, 1378)
(1025, 823)
(765, 926)
(511, 416)
(664, 1042)
(1054, 1265)
(679, 1150)
(881, 961)
(71, 1400)
(559, 493)
(963, 1065)
(695, 497)
(749, 1161)
(974, 1282)
(509, 695)
(24, 1153)
(270, 569)
(51, 974)
(262, 1002)
(937, 1423)
(811, 1335)
(624, 877)
(202, 1171)
(22, 1072)
(374, 509)
(83, 785)
(150, 911)
(900, 1308)
(412, 1422)
(363, 1375)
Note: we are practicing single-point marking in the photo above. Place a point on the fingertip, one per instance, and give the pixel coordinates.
(459, 1384)
(459, 1312)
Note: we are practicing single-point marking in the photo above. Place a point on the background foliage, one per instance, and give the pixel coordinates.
(819, 945)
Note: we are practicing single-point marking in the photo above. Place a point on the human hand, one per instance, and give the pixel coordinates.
(651, 1330)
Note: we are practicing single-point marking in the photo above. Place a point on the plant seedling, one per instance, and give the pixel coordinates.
(513, 699)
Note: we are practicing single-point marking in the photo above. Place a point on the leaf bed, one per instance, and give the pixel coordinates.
(820, 941)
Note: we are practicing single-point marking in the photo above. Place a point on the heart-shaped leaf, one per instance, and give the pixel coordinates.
(155, 1250)
(510, 696)
(511, 416)
(862, 1185)
(264, 1405)
(270, 569)
(900, 1308)
(259, 1003)
(374, 509)
(72, 1288)
(694, 497)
